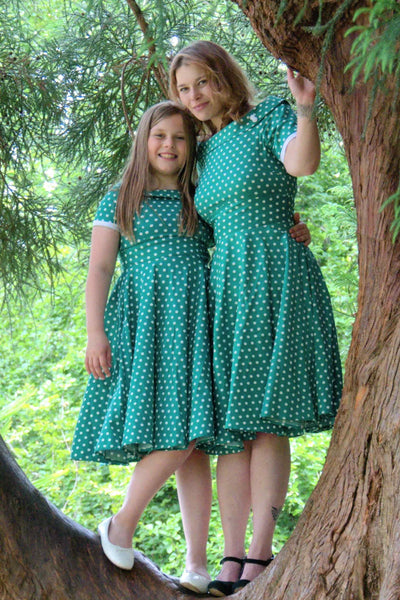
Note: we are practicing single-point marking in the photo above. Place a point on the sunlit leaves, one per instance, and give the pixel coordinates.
(376, 48)
(61, 107)
(43, 382)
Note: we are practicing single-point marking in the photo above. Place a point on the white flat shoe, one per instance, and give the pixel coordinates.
(194, 582)
(121, 557)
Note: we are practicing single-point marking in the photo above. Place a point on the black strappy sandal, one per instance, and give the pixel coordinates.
(223, 588)
(238, 585)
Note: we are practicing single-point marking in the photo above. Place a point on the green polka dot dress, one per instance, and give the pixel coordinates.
(275, 354)
(159, 396)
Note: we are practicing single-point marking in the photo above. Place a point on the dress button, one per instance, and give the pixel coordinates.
(253, 118)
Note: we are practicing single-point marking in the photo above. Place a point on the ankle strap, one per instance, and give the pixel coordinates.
(232, 559)
(256, 561)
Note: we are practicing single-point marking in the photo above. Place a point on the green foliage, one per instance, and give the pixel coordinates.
(325, 202)
(308, 457)
(43, 381)
(376, 56)
(63, 140)
(375, 49)
(33, 223)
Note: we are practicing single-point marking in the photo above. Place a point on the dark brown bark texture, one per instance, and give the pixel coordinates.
(347, 542)
(346, 545)
(46, 556)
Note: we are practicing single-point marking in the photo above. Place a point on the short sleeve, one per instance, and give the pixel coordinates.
(279, 125)
(105, 214)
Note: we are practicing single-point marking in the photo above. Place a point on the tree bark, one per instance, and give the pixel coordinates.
(346, 545)
(347, 542)
(45, 555)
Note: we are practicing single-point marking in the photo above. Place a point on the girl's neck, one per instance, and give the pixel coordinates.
(162, 183)
(218, 125)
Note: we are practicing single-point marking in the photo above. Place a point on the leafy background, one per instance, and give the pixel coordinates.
(64, 139)
(43, 381)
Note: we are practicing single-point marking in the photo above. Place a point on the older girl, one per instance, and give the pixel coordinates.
(276, 364)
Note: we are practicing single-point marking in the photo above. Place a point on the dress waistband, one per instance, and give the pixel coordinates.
(227, 230)
(165, 249)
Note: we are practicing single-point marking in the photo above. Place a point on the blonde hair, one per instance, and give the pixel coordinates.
(136, 177)
(227, 79)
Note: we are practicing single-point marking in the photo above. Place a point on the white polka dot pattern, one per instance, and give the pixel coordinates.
(275, 355)
(159, 396)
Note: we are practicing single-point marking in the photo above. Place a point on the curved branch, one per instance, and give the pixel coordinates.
(140, 87)
(158, 69)
(44, 554)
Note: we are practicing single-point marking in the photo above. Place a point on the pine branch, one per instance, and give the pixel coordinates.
(158, 69)
(137, 95)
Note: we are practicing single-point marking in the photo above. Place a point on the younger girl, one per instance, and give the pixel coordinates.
(149, 396)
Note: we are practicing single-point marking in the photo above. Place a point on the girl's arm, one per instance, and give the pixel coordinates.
(103, 256)
(303, 152)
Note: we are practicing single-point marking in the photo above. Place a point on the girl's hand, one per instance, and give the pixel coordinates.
(98, 356)
(300, 231)
(303, 89)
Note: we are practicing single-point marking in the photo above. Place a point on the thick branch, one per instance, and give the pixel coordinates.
(46, 555)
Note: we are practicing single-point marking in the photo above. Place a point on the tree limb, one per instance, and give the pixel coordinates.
(158, 69)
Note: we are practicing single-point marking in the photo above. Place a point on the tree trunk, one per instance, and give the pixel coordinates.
(347, 542)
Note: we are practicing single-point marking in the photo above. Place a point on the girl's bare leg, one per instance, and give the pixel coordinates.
(233, 481)
(193, 479)
(269, 476)
(149, 475)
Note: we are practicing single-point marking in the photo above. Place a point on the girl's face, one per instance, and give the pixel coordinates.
(166, 146)
(196, 94)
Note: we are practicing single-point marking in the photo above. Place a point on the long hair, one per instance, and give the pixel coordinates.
(136, 177)
(227, 80)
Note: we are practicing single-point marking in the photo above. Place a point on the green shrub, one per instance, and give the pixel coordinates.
(43, 381)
